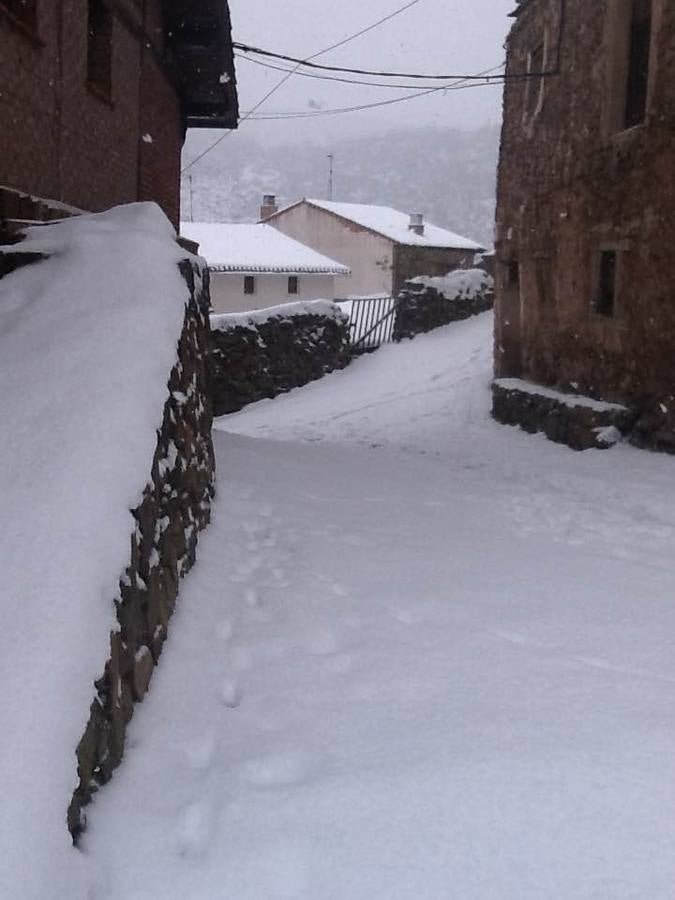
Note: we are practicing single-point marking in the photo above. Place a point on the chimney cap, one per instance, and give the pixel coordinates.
(269, 199)
(417, 223)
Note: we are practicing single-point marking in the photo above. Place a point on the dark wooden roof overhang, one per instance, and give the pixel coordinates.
(201, 58)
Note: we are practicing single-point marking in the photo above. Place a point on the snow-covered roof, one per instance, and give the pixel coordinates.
(395, 225)
(257, 249)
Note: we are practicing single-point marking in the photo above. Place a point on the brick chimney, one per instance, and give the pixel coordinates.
(416, 223)
(269, 206)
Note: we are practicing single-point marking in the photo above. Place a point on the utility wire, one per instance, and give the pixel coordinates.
(357, 81)
(341, 43)
(266, 117)
(245, 48)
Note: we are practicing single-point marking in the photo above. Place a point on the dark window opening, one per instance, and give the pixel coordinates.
(544, 276)
(535, 82)
(605, 301)
(249, 284)
(99, 46)
(513, 274)
(293, 284)
(24, 11)
(639, 45)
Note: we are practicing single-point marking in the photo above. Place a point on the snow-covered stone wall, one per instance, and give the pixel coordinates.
(262, 354)
(427, 303)
(175, 506)
(581, 423)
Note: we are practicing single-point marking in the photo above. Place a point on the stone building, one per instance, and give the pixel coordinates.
(382, 247)
(95, 97)
(585, 245)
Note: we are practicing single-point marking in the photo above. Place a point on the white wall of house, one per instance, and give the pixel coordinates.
(227, 291)
(368, 255)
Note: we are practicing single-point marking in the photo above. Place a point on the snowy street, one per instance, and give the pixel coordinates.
(422, 656)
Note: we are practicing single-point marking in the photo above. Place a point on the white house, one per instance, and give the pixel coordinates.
(256, 266)
(382, 246)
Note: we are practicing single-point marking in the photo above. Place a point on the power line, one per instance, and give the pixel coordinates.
(268, 117)
(341, 43)
(369, 72)
(357, 81)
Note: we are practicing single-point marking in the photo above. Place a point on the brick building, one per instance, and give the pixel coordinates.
(95, 97)
(585, 227)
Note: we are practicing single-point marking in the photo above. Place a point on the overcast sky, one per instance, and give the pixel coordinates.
(446, 36)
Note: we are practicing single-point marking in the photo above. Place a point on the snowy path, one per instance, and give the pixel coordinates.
(422, 657)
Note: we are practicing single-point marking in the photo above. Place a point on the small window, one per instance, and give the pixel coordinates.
(99, 46)
(293, 284)
(535, 81)
(513, 274)
(24, 11)
(249, 284)
(544, 277)
(639, 46)
(605, 301)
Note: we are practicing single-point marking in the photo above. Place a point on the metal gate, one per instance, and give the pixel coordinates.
(371, 321)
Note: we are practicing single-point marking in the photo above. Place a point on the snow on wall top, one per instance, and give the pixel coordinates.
(460, 284)
(87, 343)
(257, 249)
(571, 400)
(228, 321)
(394, 225)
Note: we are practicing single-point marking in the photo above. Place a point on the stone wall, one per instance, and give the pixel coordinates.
(428, 303)
(579, 422)
(260, 355)
(175, 507)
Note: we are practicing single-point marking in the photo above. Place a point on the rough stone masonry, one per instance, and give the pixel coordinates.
(175, 507)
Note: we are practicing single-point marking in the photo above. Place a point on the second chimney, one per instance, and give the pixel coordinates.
(269, 206)
(416, 223)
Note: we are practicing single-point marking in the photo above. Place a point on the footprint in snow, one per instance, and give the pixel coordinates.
(225, 629)
(406, 616)
(194, 829)
(338, 665)
(277, 769)
(322, 642)
(252, 598)
(231, 693)
(200, 753)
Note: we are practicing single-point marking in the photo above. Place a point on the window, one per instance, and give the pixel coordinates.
(543, 271)
(293, 284)
(605, 300)
(513, 274)
(249, 284)
(639, 44)
(535, 66)
(99, 46)
(24, 11)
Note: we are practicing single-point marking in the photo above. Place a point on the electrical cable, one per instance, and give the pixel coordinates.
(373, 73)
(266, 117)
(357, 81)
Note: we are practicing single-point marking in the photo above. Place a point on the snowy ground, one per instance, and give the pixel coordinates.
(422, 657)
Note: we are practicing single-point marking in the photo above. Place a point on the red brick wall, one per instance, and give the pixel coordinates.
(570, 185)
(61, 140)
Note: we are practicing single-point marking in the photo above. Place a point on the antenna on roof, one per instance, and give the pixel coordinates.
(330, 176)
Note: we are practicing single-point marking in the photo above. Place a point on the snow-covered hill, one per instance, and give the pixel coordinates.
(447, 174)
